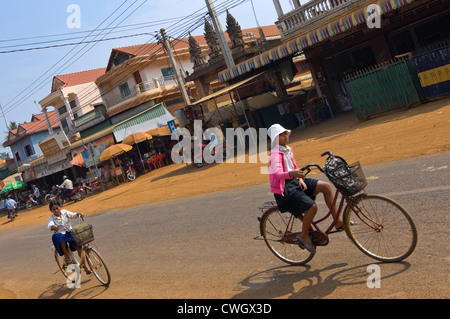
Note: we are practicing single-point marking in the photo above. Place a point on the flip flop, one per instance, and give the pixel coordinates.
(308, 246)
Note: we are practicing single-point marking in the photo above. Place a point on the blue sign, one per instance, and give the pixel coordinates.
(172, 126)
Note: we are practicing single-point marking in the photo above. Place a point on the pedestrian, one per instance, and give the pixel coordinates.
(11, 207)
(292, 191)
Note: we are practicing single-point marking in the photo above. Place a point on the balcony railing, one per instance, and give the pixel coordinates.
(156, 84)
(311, 14)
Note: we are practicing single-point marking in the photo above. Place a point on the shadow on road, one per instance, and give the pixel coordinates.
(300, 282)
(62, 291)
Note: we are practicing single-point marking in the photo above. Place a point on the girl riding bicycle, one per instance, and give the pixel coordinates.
(293, 192)
(60, 224)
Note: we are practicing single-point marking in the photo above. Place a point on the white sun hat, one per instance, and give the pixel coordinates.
(275, 130)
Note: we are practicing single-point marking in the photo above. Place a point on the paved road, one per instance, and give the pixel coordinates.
(208, 247)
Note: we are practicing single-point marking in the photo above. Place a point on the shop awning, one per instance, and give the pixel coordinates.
(155, 117)
(298, 44)
(225, 90)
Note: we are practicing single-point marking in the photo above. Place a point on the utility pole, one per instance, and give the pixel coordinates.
(179, 79)
(6, 123)
(221, 37)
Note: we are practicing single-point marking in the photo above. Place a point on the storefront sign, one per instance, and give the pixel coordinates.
(28, 175)
(105, 141)
(54, 143)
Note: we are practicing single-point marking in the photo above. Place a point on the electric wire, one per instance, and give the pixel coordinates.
(182, 30)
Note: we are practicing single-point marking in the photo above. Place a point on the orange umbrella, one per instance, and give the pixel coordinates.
(160, 131)
(114, 150)
(78, 160)
(136, 138)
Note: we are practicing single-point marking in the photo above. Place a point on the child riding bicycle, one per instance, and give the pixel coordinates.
(292, 191)
(60, 224)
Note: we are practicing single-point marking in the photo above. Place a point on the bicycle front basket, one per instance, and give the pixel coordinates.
(82, 233)
(349, 179)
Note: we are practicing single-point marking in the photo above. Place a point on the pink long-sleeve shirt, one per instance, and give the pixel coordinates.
(277, 170)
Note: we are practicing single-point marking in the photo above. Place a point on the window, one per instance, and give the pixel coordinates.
(17, 156)
(64, 125)
(28, 150)
(73, 104)
(168, 74)
(124, 90)
(62, 110)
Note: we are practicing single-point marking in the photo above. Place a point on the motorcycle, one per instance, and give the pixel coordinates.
(223, 149)
(97, 185)
(131, 173)
(31, 202)
(77, 194)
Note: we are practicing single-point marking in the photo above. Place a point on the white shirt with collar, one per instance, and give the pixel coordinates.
(62, 222)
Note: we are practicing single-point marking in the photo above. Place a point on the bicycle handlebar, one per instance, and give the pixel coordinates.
(308, 167)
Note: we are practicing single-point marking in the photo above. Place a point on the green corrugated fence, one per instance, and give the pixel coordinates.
(383, 87)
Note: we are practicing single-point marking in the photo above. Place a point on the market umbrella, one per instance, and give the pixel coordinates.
(160, 131)
(136, 138)
(78, 160)
(12, 186)
(114, 150)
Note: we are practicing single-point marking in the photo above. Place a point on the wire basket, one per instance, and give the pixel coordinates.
(82, 234)
(349, 179)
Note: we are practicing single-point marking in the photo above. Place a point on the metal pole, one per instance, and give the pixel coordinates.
(221, 37)
(180, 80)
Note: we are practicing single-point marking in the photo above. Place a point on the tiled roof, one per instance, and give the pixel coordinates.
(82, 77)
(152, 48)
(36, 124)
(142, 53)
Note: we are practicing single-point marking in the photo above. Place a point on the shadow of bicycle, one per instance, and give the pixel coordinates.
(301, 282)
(87, 290)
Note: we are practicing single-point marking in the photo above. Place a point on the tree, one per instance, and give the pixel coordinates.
(12, 126)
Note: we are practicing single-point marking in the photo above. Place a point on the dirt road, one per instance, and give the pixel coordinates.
(424, 129)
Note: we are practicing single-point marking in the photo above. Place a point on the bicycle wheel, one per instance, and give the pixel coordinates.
(280, 239)
(62, 266)
(98, 266)
(384, 229)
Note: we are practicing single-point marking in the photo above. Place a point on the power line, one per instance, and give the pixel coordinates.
(75, 43)
(184, 31)
(63, 67)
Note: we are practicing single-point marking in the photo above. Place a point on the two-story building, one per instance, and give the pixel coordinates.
(24, 142)
(73, 95)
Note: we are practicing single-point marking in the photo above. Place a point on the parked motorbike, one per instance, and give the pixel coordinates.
(131, 173)
(97, 185)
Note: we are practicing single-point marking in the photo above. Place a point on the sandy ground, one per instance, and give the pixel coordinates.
(421, 130)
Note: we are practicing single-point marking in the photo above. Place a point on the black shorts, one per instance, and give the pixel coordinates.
(295, 200)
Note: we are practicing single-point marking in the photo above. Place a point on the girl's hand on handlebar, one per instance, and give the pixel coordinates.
(296, 173)
(54, 228)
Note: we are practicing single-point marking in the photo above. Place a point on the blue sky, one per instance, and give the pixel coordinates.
(26, 76)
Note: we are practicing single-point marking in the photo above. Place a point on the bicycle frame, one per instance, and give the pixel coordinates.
(345, 204)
